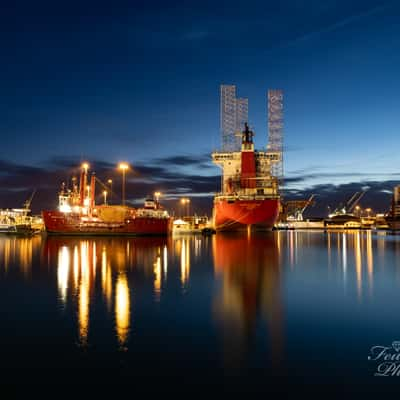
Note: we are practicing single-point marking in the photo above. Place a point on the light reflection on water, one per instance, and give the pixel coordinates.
(245, 291)
(251, 290)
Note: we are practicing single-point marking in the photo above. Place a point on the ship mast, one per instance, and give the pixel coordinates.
(83, 184)
(248, 175)
(92, 191)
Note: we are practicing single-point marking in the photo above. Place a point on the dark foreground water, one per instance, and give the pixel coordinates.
(280, 310)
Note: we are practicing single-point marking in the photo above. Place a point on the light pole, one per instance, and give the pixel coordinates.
(183, 201)
(123, 167)
(111, 192)
(368, 210)
(105, 197)
(85, 166)
(187, 202)
(157, 196)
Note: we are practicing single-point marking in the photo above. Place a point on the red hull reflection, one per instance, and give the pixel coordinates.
(250, 271)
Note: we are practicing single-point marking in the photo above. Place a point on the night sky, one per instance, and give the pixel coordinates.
(131, 81)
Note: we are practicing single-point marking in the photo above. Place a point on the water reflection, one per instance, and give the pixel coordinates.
(185, 261)
(63, 272)
(81, 263)
(251, 289)
(351, 252)
(246, 296)
(370, 260)
(122, 308)
(18, 251)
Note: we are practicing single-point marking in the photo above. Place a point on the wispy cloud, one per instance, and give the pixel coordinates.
(18, 181)
(335, 26)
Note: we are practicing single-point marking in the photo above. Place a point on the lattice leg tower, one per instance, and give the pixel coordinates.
(275, 130)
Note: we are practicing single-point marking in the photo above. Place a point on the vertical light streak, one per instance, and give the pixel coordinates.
(278, 242)
(165, 258)
(94, 259)
(370, 261)
(76, 267)
(63, 272)
(185, 261)
(122, 309)
(84, 298)
(106, 278)
(358, 262)
(291, 249)
(157, 278)
(344, 254)
(329, 249)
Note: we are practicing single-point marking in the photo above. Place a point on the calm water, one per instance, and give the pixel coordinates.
(237, 311)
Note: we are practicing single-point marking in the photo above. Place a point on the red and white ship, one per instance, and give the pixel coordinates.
(78, 214)
(250, 194)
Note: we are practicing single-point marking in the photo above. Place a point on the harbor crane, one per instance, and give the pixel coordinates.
(27, 203)
(350, 205)
(355, 200)
(295, 208)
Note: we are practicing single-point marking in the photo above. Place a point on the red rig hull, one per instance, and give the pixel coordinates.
(240, 214)
(249, 197)
(60, 223)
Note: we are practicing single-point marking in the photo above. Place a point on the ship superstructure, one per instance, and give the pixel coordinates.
(249, 194)
(20, 221)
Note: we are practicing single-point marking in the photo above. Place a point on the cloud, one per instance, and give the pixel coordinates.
(202, 160)
(337, 25)
(18, 181)
(306, 177)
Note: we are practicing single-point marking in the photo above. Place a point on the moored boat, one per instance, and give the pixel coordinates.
(18, 221)
(78, 214)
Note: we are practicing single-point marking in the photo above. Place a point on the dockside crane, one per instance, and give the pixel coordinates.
(356, 198)
(27, 204)
(351, 203)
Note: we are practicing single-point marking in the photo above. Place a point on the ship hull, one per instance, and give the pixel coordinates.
(393, 223)
(241, 214)
(58, 223)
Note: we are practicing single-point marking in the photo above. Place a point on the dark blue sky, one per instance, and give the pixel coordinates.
(139, 81)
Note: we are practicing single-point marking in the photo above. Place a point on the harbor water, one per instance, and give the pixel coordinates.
(227, 311)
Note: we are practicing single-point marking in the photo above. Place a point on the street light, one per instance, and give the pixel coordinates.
(358, 210)
(183, 201)
(157, 196)
(186, 201)
(123, 167)
(105, 197)
(111, 192)
(368, 210)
